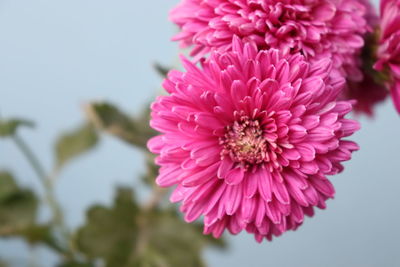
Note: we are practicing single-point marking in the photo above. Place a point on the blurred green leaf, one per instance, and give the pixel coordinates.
(18, 209)
(75, 143)
(135, 131)
(110, 233)
(161, 70)
(17, 206)
(124, 235)
(7, 185)
(152, 170)
(9, 127)
(41, 234)
(369, 57)
(75, 264)
(173, 242)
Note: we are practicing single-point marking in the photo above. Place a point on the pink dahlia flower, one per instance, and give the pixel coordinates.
(389, 47)
(249, 138)
(319, 28)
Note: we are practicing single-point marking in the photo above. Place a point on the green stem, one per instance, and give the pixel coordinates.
(142, 240)
(41, 174)
(47, 184)
(33, 160)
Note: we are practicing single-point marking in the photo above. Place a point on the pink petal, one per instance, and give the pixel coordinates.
(235, 176)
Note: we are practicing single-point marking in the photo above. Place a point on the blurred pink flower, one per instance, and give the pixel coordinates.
(367, 91)
(319, 28)
(249, 138)
(389, 47)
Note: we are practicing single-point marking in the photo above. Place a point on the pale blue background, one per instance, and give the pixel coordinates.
(56, 55)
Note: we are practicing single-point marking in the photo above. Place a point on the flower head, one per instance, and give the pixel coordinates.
(249, 138)
(389, 47)
(320, 28)
(368, 92)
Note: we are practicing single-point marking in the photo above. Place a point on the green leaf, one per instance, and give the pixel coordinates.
(41, 234)
(75, 264)
(152, 170)
(135, 131)
(75, 143)
(123, 235)
(17, 206)
(18, 209)
(7, 185)
(10, 127)
(173, 242)
(161, 70)
(110, 233)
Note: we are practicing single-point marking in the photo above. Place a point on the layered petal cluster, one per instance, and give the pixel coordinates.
(389, 47)
(317, 28)
(249, 138)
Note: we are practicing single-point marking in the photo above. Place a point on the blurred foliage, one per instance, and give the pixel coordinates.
(172, 242)
(42, 234)
(126, 234)
(9, 127)
(17, 206)
(107, 117)
(75, 264)
(161, 70)
(110, 233)
(369, 57)
(152, 170)
(18, 209)
(7, 185)
(75, 143)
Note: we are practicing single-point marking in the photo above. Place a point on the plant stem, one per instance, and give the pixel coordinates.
(47, 183)
(154, 200)
(44, 179)
(33, 160)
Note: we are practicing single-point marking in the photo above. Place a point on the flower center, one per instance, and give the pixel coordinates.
(244, 142)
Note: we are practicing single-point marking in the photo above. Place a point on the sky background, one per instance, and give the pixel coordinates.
(57, 55)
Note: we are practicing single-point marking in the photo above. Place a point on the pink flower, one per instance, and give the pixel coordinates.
(249, 138)
(389, 47)
(367, 91)
(320, 28)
